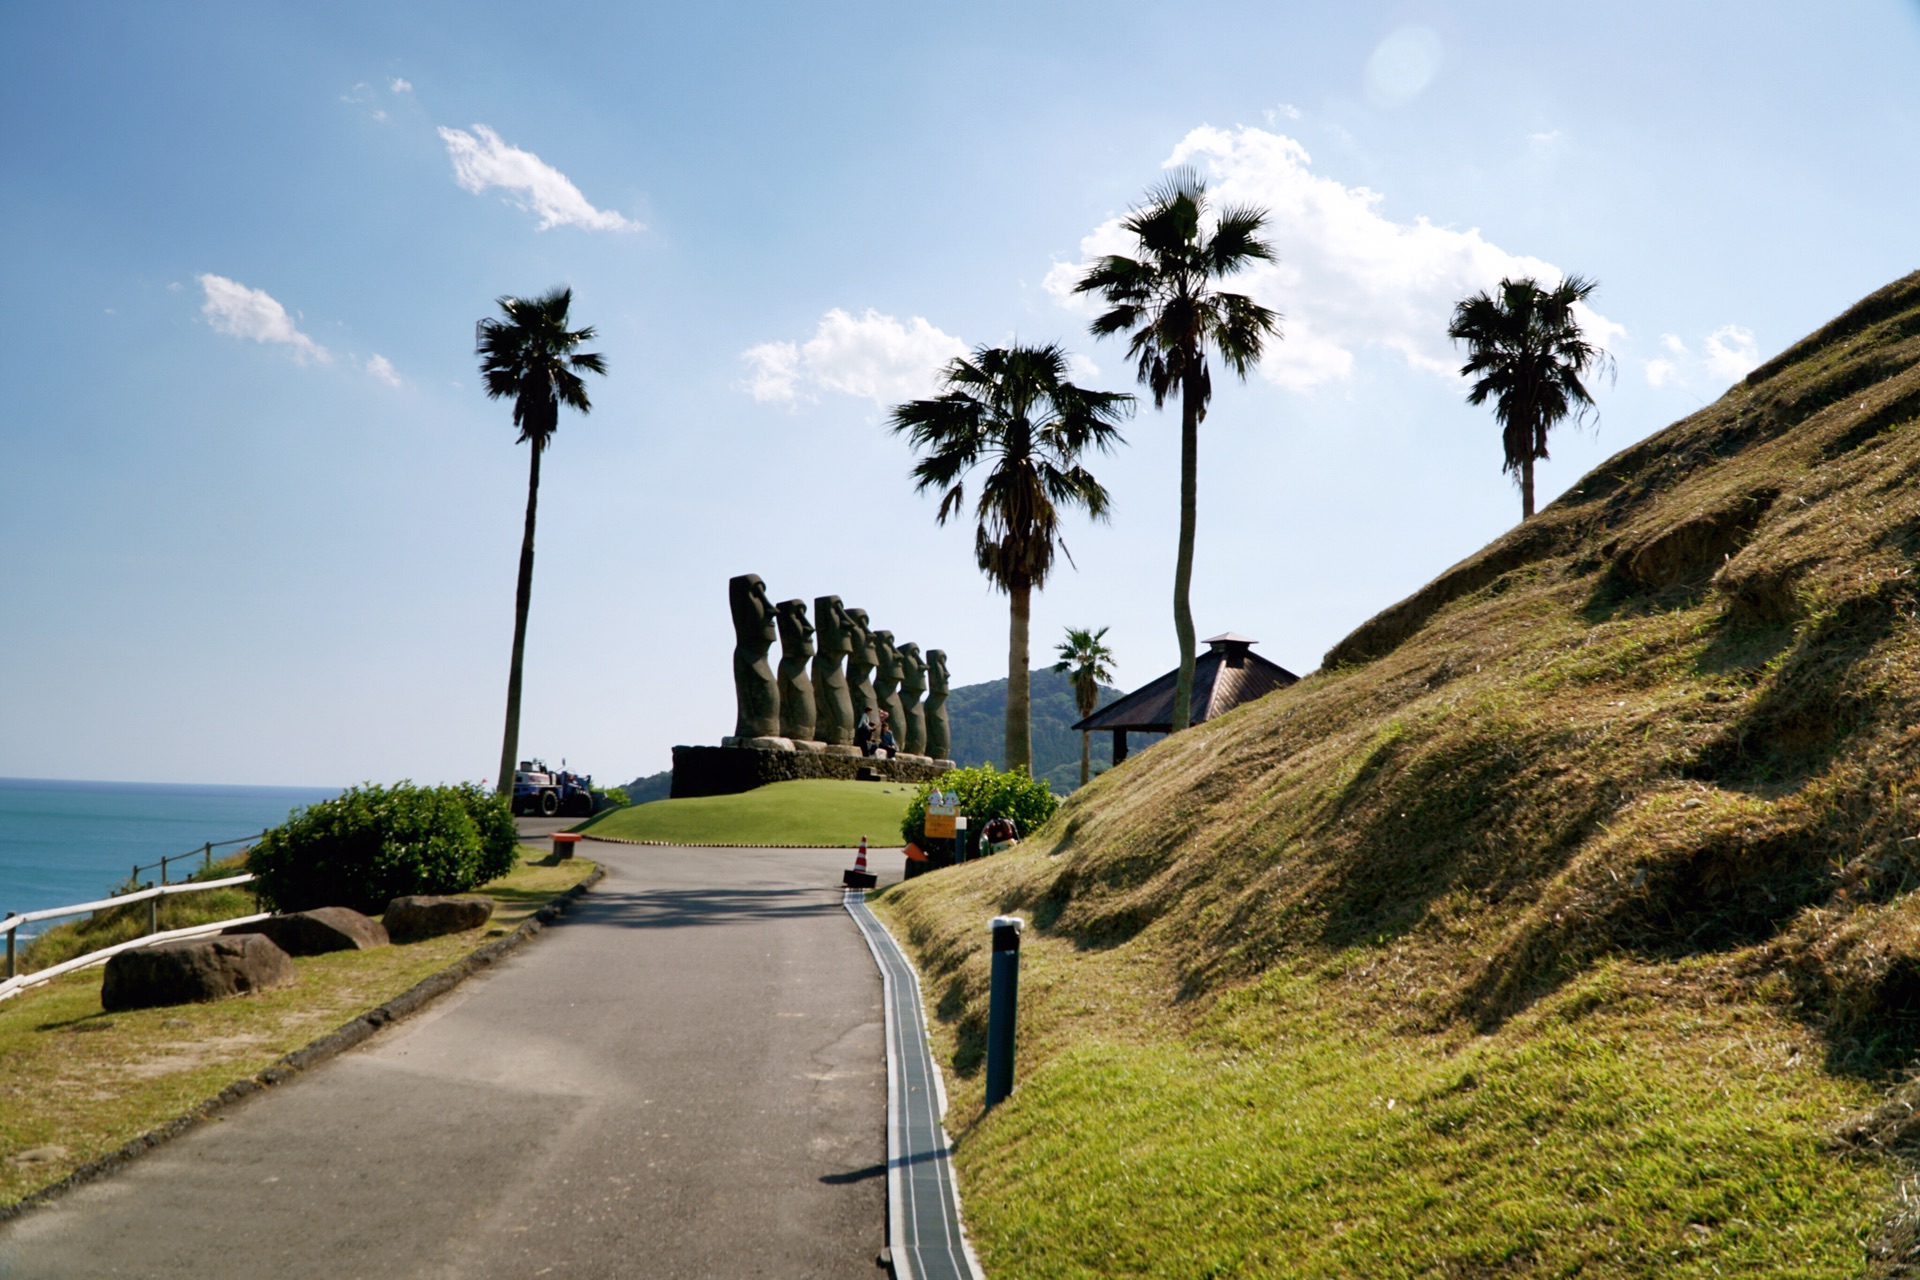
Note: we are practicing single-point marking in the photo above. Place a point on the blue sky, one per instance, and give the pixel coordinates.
(261, 524)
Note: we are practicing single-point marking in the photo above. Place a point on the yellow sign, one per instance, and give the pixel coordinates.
(942, 807)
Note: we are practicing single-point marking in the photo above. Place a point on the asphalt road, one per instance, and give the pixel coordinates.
(684, 1078)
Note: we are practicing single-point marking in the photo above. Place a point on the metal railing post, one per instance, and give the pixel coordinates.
(153, 915)
(206, 857)
(11, 935)
(1003, 999)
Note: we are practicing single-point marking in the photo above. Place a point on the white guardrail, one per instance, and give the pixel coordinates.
(13, 983)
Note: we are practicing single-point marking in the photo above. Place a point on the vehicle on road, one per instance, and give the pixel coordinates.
(551, 793)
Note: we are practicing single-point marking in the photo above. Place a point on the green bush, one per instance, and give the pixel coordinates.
(984, 793)
(615, 795)
(370, 844)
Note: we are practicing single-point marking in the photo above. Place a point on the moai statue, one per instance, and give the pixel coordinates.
(939, 732)
(796, 686)
(753, 684)
(886, 684)
(913, 683)
(832, 700)
(861, 660)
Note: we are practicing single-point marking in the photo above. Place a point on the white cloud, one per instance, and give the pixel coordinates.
(382, 368)
(1732, 352)
(1728, 354)
(1286, 109)
(872, 357)
(232, 308)
(1081, 369)
(481, 159)
(1348, 277)
(399, 85)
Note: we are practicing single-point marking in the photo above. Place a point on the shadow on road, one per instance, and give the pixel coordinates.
(679, 908)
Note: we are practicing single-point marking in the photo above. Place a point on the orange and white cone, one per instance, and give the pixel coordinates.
(859, 877)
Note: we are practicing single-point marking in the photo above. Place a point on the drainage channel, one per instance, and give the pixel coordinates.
(924, 1235)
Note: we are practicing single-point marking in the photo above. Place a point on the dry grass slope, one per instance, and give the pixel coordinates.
(1652, 756)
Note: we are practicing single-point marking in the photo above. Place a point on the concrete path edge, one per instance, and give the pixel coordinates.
(331, 1045)
(919, 1150)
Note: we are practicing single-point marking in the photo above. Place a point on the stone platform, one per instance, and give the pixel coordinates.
(726, 771)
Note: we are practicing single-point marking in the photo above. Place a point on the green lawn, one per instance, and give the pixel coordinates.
(812, 812)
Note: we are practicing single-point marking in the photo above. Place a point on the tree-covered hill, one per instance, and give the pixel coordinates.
(978, 715)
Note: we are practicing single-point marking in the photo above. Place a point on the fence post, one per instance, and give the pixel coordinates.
(11, 935)
(163, 870)
(153, 916)
(1002, 1001)
(206, 857)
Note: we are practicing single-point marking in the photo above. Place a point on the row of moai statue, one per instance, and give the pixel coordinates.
(828, 677)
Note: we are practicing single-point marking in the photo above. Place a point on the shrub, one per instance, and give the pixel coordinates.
(370, 844)
(984, 793)
(616, 796)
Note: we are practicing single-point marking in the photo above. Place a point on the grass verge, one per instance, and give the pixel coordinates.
(77, 1084)
(1642, 1121)
(807, 812)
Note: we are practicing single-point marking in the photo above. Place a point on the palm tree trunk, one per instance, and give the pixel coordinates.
(523, 597)
(1183, 562)
(1526, 489)
(1086, 757)
(1019, 696)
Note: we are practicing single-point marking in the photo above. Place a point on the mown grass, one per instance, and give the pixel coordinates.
(807, 812)
(1566, 924)
(77, 1083)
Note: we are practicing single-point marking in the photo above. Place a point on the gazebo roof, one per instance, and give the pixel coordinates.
(1226, 675)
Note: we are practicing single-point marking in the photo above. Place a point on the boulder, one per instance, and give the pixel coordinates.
(311, 933)
(419, 916)
(185, 970)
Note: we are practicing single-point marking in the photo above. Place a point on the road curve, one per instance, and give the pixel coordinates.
(684, 1078)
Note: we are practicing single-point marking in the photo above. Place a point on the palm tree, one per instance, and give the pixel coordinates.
(1167, 301)
(1088, 663)
(532, 357)
(1012, 411)
(1525, 351)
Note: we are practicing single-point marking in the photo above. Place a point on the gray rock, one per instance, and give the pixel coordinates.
(186, 970)
(312, 933)
(419, 916)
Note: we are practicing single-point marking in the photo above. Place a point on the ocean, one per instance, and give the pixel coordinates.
(64, 842)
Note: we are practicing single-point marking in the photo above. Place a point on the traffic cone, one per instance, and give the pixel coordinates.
(859, 877)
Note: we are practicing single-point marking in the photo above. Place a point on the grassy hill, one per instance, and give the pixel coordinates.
(1564, 923)
(817, 811)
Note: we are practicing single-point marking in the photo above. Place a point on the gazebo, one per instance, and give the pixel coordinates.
(1226, 675)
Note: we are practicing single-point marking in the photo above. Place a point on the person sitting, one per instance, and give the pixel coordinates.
(863, 734)
(886, 738)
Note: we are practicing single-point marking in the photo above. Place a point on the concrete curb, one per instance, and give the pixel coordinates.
(331, 1045)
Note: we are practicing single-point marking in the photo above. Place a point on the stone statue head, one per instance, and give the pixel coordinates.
(796, 633)
(753, 621)
(889, 656)
(836, 628)
(860, 639)
(937, 672)
(913, 670)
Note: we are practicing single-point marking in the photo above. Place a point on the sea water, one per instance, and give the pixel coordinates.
(66, 842)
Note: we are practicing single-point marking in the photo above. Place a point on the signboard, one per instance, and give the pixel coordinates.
(942, 808)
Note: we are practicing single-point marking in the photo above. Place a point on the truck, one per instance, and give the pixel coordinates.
(547, 792)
